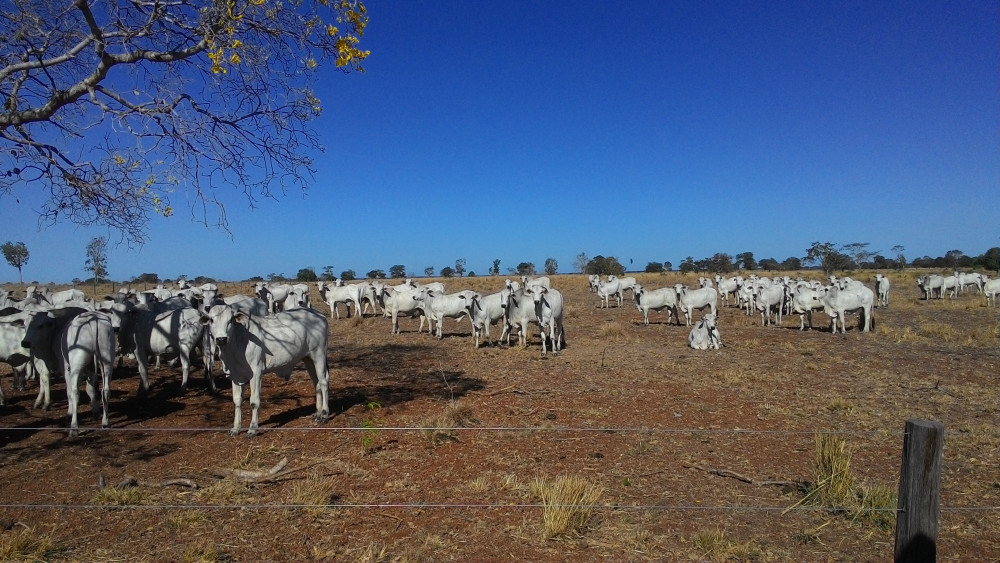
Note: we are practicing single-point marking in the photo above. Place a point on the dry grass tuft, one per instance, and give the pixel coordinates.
(613, 330)
(204, 552)
(371, 553)
(876, 507)
(832, 484)
(834, 488)
(24, 545)
(713, 545)
(839, 405)
(441, 428)
(127, 496)
(315, 494)
(185, 519)
(569, 504)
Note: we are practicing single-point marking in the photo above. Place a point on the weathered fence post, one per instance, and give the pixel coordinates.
(919, 502)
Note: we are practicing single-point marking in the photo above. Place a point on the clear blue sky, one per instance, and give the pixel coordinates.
(648, 131)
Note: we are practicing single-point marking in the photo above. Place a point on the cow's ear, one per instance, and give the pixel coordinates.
(242, 318)
(206, 320)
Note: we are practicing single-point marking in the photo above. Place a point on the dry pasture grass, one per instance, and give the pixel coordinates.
(623, 411)
(568, 504)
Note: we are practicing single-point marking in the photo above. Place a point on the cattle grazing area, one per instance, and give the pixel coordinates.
(626, 444)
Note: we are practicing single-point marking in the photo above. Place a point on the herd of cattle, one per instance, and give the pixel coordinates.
(48, 333)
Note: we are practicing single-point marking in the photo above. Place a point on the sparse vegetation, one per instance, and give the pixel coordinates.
(568, 504)
(24, 544)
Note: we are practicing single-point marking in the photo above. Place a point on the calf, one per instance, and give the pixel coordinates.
(252, 346)
(882, 290)
(705, 334)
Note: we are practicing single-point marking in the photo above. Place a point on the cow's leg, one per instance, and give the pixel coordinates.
(142, 361)
(184, 352)
(318, 372)
(255, 386)
(44, 386)
(238, 402)
(73, 398)
(106, 368)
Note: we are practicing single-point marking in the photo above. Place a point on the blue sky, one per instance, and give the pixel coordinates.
(648, 131)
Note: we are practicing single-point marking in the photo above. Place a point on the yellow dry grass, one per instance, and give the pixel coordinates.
(568, 504)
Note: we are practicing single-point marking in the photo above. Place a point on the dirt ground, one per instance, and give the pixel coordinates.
(627, 408)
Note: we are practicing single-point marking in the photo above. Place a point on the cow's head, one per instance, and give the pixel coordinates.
(221, 320)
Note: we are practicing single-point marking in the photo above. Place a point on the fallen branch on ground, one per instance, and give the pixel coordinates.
(744, 478)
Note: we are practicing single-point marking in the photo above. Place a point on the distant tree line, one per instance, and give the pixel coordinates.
(826, 256)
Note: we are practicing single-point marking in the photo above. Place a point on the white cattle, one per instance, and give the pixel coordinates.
(690, 299)
(837, 302)
(767, 299)
(609, 288)
(593, 281)
(804, 301)
(931, 283)
(274, 294)
(536, 280)
(549, 315)
(519, 312)
(966, 279)
(882, 286)
(178, 332)
(438, 307)
(626, 283)
(347, 294)
(12, 353)
(705, 282)
(399, 300)
(647, 300)
(950, 283)
(727, 286)
(991, 288)
(252, 346)
(85, 341)
(60, 298)
(486, 310)
(705, 334)
(512, 285)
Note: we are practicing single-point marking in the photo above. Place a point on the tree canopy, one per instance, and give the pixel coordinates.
(113, 107)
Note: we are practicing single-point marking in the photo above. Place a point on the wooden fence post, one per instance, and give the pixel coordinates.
(919, 502)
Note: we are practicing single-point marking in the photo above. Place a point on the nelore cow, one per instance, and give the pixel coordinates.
(705, 334)
(690, 299)
(75, 343)
(549, 315)
(647, 300)
(837, 302)
(486, 310)
(252, 346)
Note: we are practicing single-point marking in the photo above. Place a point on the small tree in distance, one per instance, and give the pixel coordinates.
(16, 254)
(551, 266)
(97, 259)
